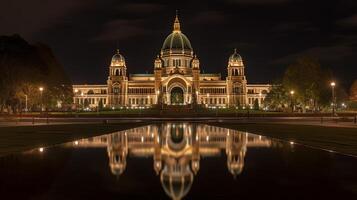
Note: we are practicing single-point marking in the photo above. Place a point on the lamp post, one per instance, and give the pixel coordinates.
(333, 84)
(82, 102)
(197, 98)
(292, 92)
(25, 102)
(75, 102)
(260, 99)
(41, 91)
(207, 99)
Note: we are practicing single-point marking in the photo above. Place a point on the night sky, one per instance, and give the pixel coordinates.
(269, 34)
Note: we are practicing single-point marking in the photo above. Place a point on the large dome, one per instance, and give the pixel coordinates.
(118, 59)
(177, 41)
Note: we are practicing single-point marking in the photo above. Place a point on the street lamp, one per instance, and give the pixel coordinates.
(292, 92)
(82, 102)
(260, 99)
(25, 102)
(41, 91)
(197, 98)
(333, 84)
(207, 99)
(157, 96)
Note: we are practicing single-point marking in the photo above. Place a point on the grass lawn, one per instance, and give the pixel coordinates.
(15, 139)
(343, 140)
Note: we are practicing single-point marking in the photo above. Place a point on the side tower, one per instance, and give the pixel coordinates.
(236, 81)
(196, 79)
(158, 75)
(117, 81)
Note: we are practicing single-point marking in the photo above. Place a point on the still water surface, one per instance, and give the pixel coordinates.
(178, 161)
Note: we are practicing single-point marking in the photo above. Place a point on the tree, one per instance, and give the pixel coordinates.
(308, 81)
(100, 105)
(277, 98)
(256, 104)
(238, 105)
(24, 68)
(353, 91)
(86, 103)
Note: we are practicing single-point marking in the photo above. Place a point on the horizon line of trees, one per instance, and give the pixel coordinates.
(304, 86)
(24, 68)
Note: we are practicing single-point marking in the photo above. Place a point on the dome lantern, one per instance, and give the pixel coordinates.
(158, 62)
(118, 60)
(177, 27)
(195, 63)
(235, 59)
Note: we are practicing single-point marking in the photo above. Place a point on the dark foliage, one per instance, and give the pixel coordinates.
(23, 69)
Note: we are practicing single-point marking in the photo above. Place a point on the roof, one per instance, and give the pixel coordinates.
(141, 75)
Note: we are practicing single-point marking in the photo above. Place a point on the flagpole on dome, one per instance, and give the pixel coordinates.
(177, 27)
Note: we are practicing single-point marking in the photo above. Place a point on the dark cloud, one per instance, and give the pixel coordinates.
(140, 8)
(122, 29)
(29, 17)
(259, 2)
(287, 27)
(208, 17)
(268, 33)
(327, 54)
(350, 21)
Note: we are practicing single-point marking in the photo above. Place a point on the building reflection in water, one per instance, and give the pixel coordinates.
(176, 149)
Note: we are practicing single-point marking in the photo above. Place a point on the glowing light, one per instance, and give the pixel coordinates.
(333, 84)
(292, 92)
(292, 143)
(142, 138)
(207, 138)
(41, 89)
(76, 142)
(76, 90)
(41, 149)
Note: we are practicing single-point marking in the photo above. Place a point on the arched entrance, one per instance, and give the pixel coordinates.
(177, 97)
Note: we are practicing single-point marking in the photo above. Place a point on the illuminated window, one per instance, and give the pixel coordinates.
(116, 90)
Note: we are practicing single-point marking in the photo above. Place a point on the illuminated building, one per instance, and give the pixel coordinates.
(177, 79)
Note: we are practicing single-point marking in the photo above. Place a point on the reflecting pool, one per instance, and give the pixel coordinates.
(178, 161)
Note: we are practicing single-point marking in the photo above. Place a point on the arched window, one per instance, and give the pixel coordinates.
(116, 90)
(117, 72)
